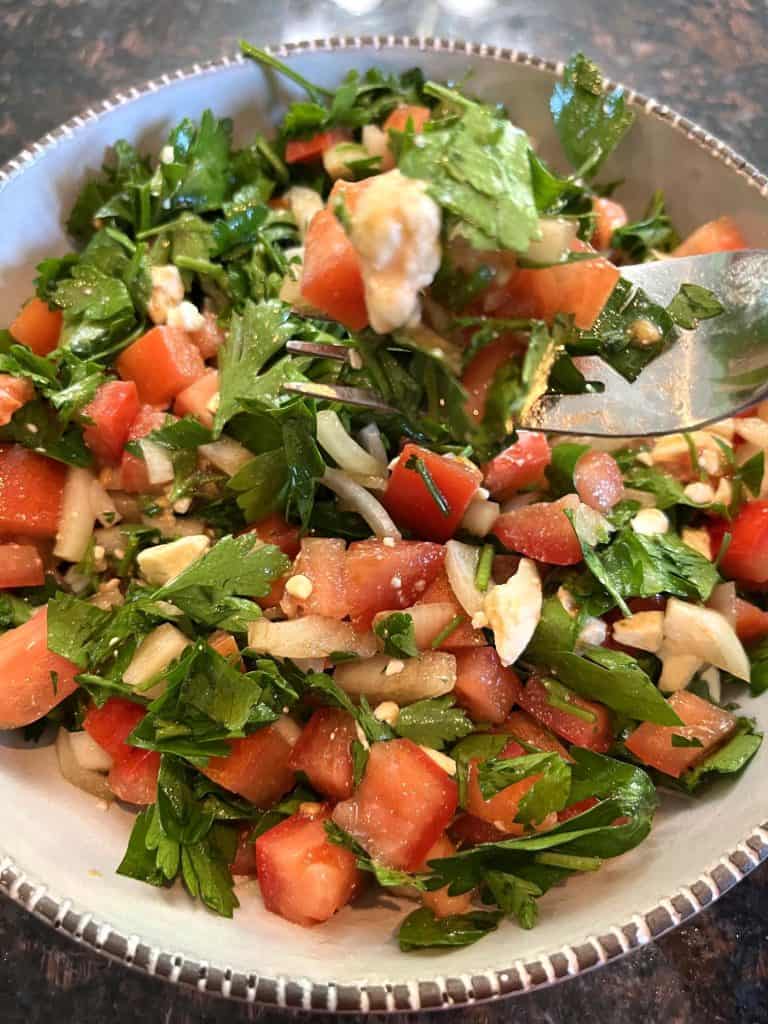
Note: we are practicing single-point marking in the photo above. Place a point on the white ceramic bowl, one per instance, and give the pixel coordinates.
(58, 851)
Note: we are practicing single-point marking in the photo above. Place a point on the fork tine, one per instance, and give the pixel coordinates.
(339, 393)
(324, 351)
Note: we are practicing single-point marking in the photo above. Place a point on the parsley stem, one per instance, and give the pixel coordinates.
(560, 697)
(484, 566)
(725, 543)
(446, 631)
(569, 860)
(418, 465)
(442, 92)
(698, 469)
(262, 57)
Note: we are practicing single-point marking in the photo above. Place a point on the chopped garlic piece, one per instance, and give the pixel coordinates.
(299, 586)
(643, 630)
(163, 563)
(513, 610)
(693, 630)
(394, 667)
(650, 521)
(700, 493)
(388, 712)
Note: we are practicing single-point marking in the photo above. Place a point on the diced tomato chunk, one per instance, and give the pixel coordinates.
(402, 805)
(400, 117)
(298, 151)
(483, 686)
(258, 766)
(196, 399)
(721, 235)
(38, 327)
(324, 752)
(438, 900)
(27, 688)
(751, 621)
(520, 466)
(528, 730)
(479, 374)
(111, 413)
(31, 490)
(322, 560)
(572, 810)
(440, 591)
(746, 558)
(581, 288)
(541, 531)
(380, 578)
(14, 392)
(210, 337)
(598, 480)
(133, 468)
(467, 830)
(500, 809)
(610, 216)
(275, 530)
(408, 499)
(112, 723)
(162, 363)
(20, 566)
(595, 734)
(225, 645)
(134, 779)
(303, 876)
(244, 862)
(652, 744)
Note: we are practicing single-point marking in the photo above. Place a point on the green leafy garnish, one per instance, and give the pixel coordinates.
(434, 722)
(398, 635)
(422, 930)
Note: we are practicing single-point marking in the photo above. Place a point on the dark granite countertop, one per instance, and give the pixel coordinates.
(707, 58)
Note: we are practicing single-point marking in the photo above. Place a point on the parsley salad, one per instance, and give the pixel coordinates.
(338, 646)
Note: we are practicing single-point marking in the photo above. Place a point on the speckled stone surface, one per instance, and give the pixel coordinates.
(707, 59)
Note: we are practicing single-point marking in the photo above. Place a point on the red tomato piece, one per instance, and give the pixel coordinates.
(409, 502)
(751, 621)
(134, 778)
(652, 744)
(400, 117)
(598, 480)
(331, 279)
(111, 725)
(596, 734)
(14, 392)
(401, 807)
(572, 810)
(323, 752)
(483, 686)
(522, 727)
(323, 561)
(440, 591)
(245, 854)
(520, 466)
(303, 876)
(299, 151)
(20, 566)
(258, 766)
(196, 399)
(162, 362)
(38, 327)
(541, 531)
(133, 468)
(610, 215)
(381, 578)
(225, 645)
(467, 830)
(27, 690)
(721, 235)
(31, 489)
(112, 411)
(210, 337)
(481, 370)
(275, 530)
(746, 559)
(501, 809)
(438, 900)
(581, 288)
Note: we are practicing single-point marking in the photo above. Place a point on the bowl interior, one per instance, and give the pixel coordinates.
(61, 838)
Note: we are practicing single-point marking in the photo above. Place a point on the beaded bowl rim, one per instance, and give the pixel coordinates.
(439, 992)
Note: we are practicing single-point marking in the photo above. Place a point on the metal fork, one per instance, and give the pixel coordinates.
(709, 373)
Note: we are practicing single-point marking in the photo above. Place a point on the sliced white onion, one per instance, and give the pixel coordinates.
(461, 565)
(312, 636)
(88, 754)
(370, 439)
(357, 499)
(480, 517)
(76, 520)
(520, 501)
(557, 234)
(723, 600)
(158, 462)
(370, 483)
(226, 454)
(343, 449)
(104, 508)
(155, 653)
(87, 779)
(752, 429)
(428, 620)
(431, 675)
(706, 634)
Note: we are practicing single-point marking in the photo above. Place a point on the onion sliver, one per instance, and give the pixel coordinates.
(431, 675)
(480, 517)
(370, 439)
(343, 449)
(90, 781)
(428, 620)
(461, 565)
(557, 233)
(312, 636)
(357, 499)
(155, 653)
(77, 516)
(158, 462)
(226, 454)
(723, 600)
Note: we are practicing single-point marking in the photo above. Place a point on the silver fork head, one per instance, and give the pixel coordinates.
(709, 373)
